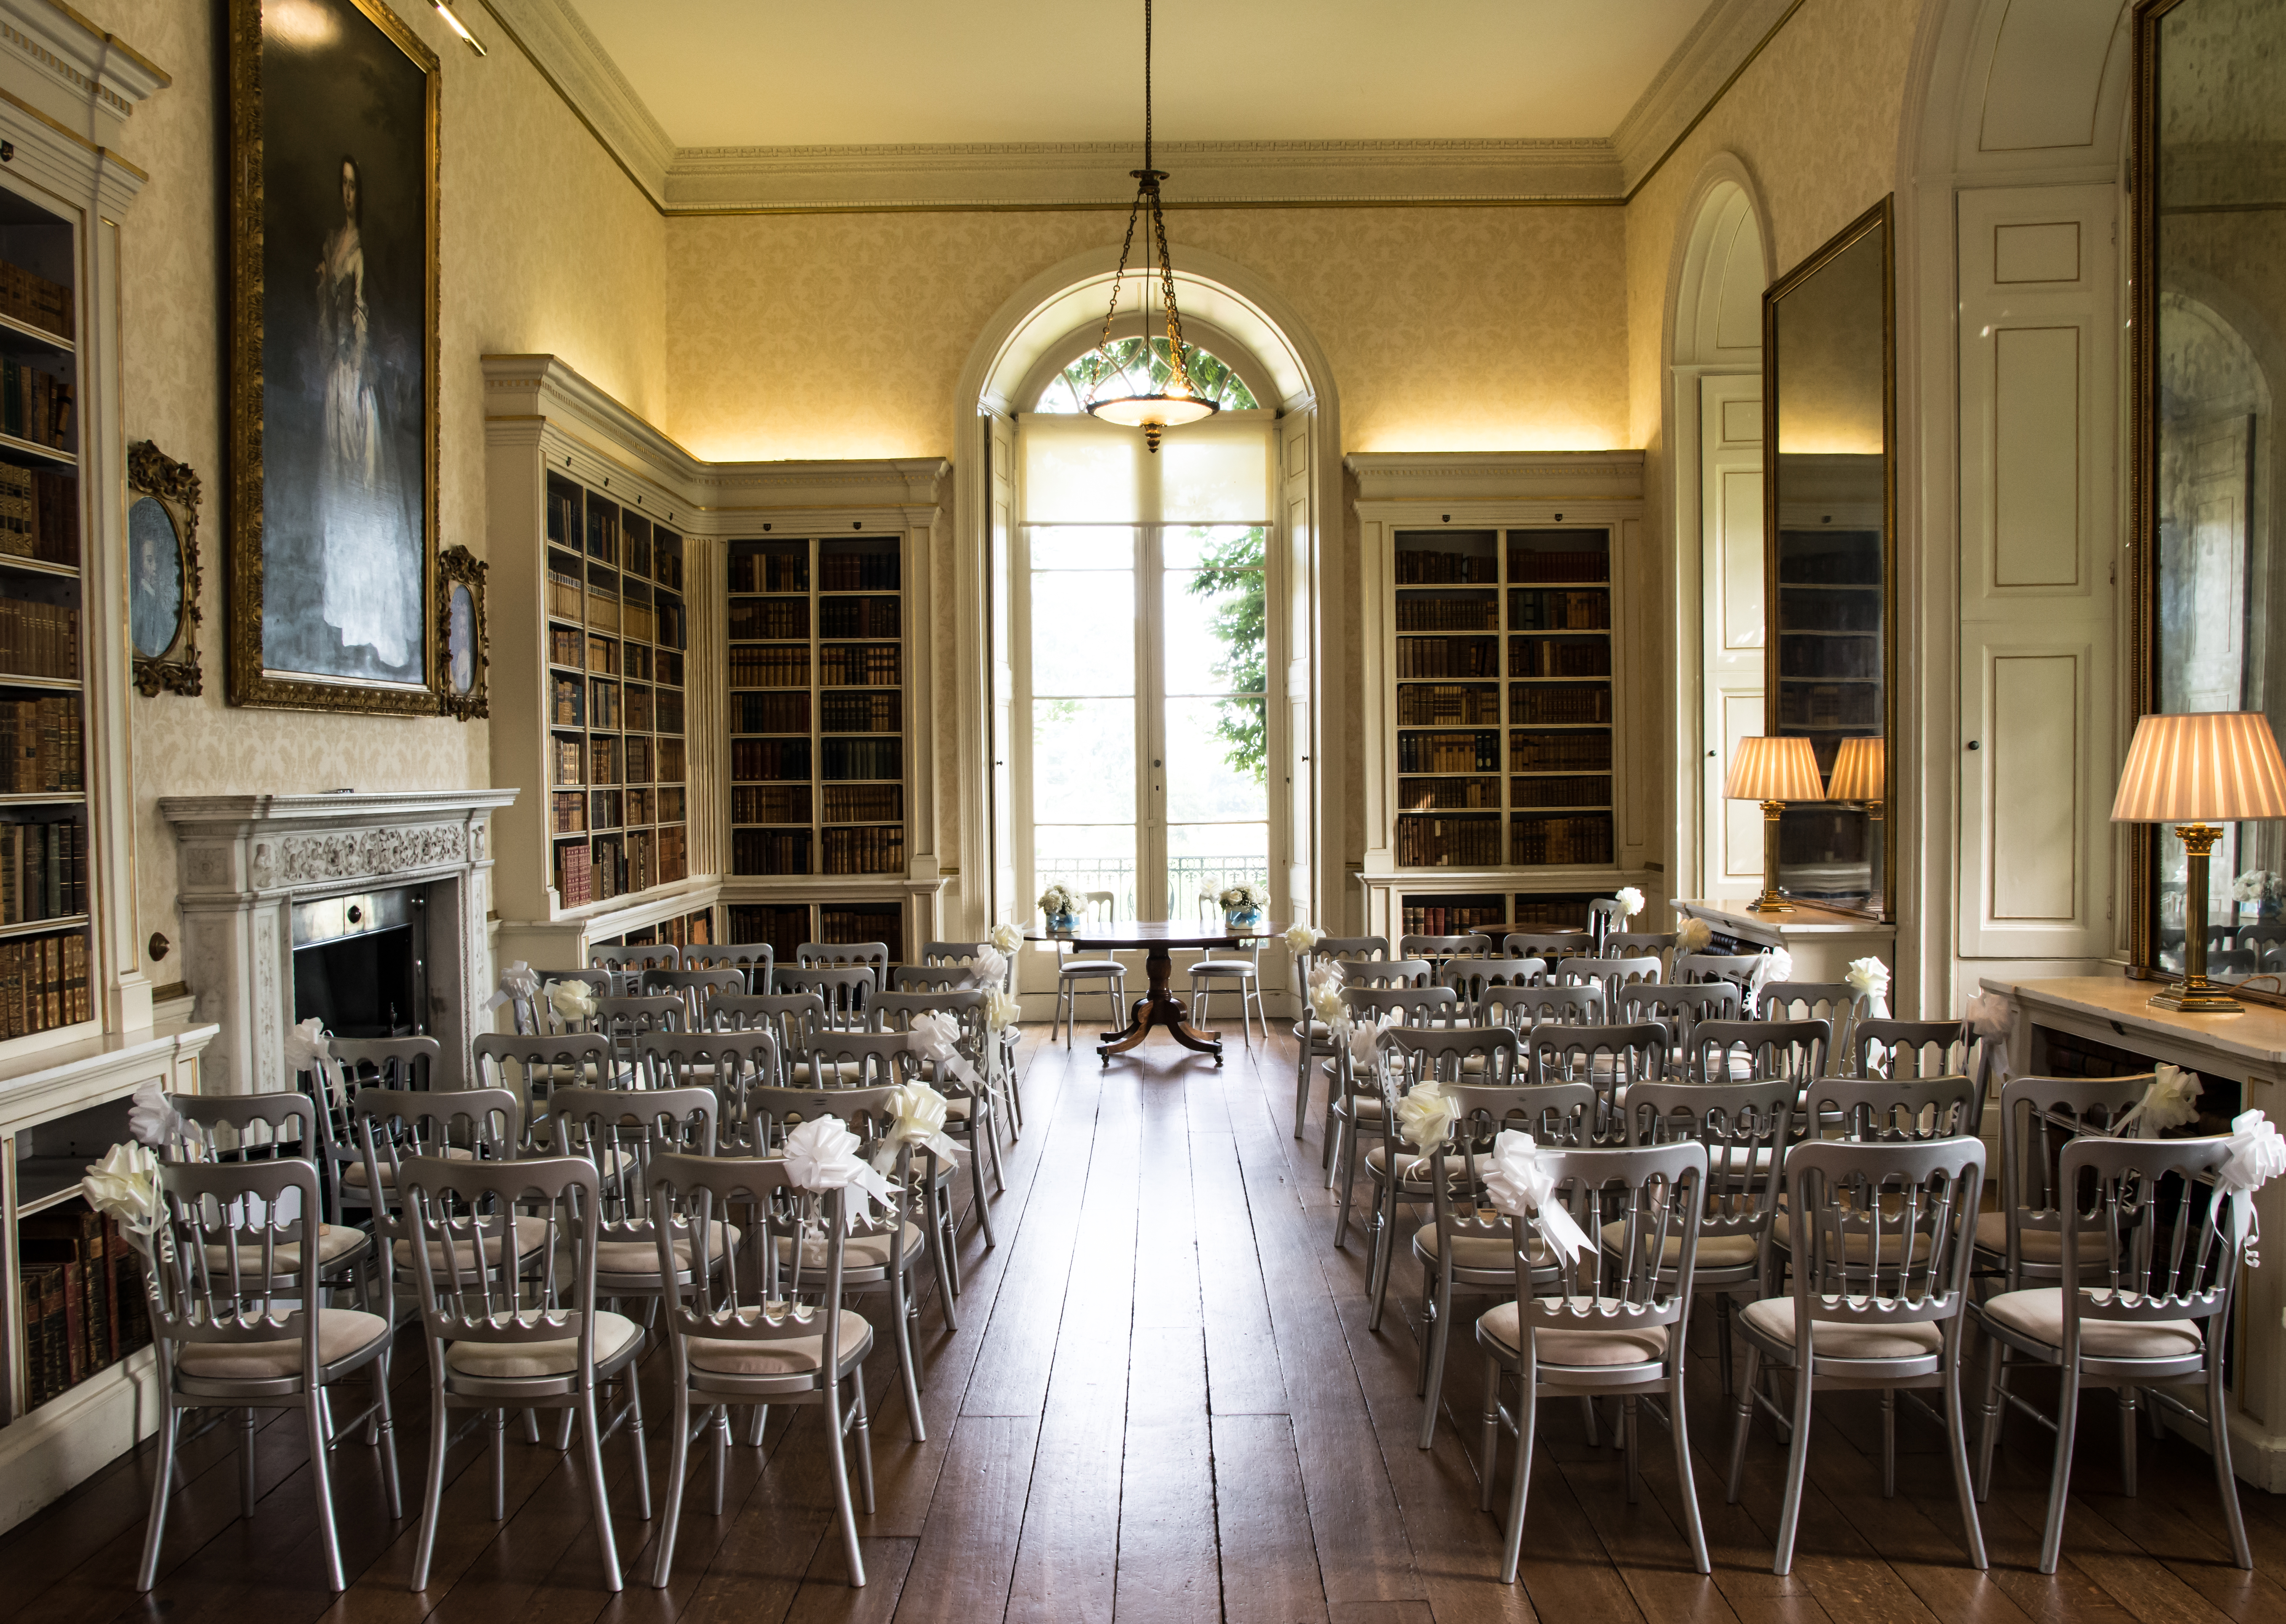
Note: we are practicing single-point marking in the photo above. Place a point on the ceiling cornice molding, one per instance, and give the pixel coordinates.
(703, 180)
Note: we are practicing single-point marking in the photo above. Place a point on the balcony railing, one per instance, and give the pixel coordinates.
(1186, 878)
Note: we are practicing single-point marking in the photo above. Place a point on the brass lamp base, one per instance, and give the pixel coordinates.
(2194, 995)
(1772, 900)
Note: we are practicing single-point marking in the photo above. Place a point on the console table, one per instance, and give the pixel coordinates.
(2249, 1049)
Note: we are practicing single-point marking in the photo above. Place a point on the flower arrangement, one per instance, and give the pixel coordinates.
(1243, 898)
(1630, 901)
(2258, 885)
(1060, 901)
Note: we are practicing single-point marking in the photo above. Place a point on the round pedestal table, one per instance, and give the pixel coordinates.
(1158, 1007)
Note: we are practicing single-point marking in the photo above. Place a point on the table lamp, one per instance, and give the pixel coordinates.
(2198, 770)
(1860, 774)
(1773, 771)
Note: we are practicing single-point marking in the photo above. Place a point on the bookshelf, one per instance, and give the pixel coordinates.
(1497, 619)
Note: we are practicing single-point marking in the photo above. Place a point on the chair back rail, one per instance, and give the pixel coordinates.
(1731, 1051)
(2039, 1117)
(1889, 1109)
(1882, 1047)
(755, 960)
(1532, 1003)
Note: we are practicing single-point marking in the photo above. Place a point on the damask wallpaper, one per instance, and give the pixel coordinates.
(545, 246)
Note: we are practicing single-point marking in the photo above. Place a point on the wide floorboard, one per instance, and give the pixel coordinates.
(1164, 1402)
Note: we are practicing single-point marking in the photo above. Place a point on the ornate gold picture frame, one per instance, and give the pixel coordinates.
(163, 574)
(332, 485)
(463, 642)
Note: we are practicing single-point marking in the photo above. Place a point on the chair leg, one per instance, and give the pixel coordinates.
(1797, 1469)
(905, 1361)
(1691, 1526)
(635, 1430)
(1889, 1443)
(758, 1416)
(2127, 1439)
(835, 1452)
(600, 1488)
(678, 1466)
(1627, 1430)
(1302, 1079)
(385, 1431)
(1956, 1427)
(1742, 1417)
(940, 1243)
(499, 1466)
(2051, 1539)
(992, 1142)
(720, 1451)
(433, 1495)
(1722, 1337)
(976, 1183)
(1988, 1434)
(1527, 1415)
(246, 1491)
(2219, 1447)
(171, 1426)
(321, 1484)
(1435, 1338)
(861, 1425)
(1489, 1465)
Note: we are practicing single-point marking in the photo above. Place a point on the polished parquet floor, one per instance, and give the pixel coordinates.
(1162, 1403)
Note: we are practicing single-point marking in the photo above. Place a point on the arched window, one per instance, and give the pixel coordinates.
(1142, 370)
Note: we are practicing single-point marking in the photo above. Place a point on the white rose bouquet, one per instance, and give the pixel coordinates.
(1246, 897)
(1060, 899)
(2258, 885)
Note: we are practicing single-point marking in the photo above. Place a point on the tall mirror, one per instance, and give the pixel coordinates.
(2209, 344)
(1829, 421)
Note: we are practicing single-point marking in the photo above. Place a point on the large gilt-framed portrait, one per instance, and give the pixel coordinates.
(333, 359)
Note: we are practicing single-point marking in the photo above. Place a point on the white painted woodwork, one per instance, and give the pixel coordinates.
(2039, 369)
(1732, 639)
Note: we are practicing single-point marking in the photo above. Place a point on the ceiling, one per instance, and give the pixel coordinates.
(771, 73)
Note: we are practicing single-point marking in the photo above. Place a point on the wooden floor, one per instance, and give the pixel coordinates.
(1164, 1404)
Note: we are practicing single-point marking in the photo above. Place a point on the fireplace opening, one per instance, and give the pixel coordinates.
(359, 963)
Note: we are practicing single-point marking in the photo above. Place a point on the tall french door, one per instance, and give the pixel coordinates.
(1143, 646)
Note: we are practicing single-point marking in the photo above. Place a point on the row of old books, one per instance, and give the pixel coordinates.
(574, 874)
(1448, 753)
(34, 406)
(1447, 656)
(754, 618)
(80, 1285)
(1546, 657)
(860, 713)
(1448, 794)
(865, 851)
(857, 571)
(1541, 752)
(1454, 919)
(39, 640)
(1447, 705)
(39, 514)
(779, 803)
(35, 301)
(1560, 792)
(864, 803)
(639, 759)
(860, 665)
(770, 759)
(782, 667)
(1527, 564)
(1550, 706)
(770, 851)
(1475, 614)
(569, 761)
(1420, 567)
(40, 747)
(1558, 611)
(769, 713)
(568, 645)
(863, 924)
(563, 595)
(1560, 840)
(860, 758)
(778, 571)
(42, 872)
(1457, 842)
(674, 854)
(858, 617)
(571, 812)
(44, 984)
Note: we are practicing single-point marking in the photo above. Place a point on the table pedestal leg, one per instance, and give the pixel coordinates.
(1160, 1007)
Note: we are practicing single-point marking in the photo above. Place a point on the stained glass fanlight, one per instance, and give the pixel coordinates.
(1171, 401)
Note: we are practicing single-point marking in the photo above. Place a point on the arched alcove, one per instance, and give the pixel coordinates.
(1039, 329)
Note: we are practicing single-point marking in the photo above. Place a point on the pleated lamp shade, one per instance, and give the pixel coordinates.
(2201, 766)
(1859, 771)
(1774, 769)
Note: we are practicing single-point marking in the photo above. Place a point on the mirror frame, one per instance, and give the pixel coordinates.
(456, 568)
(1879, 216)
(151, 473)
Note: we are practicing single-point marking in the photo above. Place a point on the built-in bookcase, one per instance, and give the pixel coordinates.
(816, 657)
(618, 636)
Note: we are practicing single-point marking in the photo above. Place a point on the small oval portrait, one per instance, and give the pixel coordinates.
(460, 641)
(154, 578)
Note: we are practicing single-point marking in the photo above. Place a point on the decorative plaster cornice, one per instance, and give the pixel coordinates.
(73, 55)
(1454, 477)
(888, 179)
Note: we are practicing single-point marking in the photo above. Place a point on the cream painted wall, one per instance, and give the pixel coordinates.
(545, 246)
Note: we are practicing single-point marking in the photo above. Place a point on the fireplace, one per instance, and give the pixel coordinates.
(270, 884)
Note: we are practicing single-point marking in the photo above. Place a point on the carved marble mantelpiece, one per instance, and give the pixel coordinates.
(247, 860)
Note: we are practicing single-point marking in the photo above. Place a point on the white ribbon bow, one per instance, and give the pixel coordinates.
(1364, 1040)
(1001, 1010)
(1425, 1116)
(1869, 979)
(1775, 965)
(124, 1186)
(2171, 1101)
(1006, 937)
(989, 970)
(1992, 1017)
(1302, 938)
(821, 1154)
(936, 1037)
(920, 1112)
(518, 983)
(309, 1049)
(1326, 1000)
(1630, 901)
(150, 1119)
(1692, 936)
(2256, 1156)
(573, 1002)
(1520, 1187)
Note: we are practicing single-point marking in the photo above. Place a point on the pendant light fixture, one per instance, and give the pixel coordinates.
(1160, 407)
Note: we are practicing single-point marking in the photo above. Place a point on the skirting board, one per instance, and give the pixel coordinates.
(67, 1440)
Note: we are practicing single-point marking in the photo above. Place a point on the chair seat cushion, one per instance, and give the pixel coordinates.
(1376, 1160)
(1580, 1344)
(1715, 1251)
(531, 1235)
(335, 1241)
(1092, 966)
(857, 1253)
(2037, 1245)
(2038, 1313)
(1484, 1253)
(784, 1356)
(1224, 967)
(342, 1333)
(640, 1257)
(1773, 1316)
(558, 1356)
(353, 1173)
(1857, 1244)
